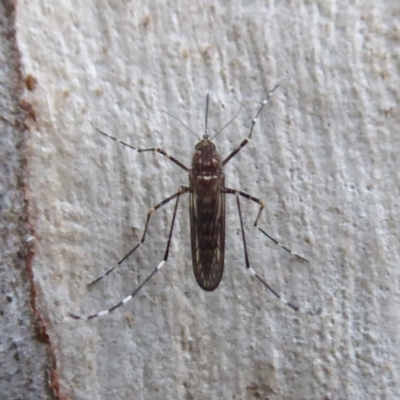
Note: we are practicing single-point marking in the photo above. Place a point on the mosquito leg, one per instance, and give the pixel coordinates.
(155, 149)
(150, 212)
(246, 257)
(261, 204)
(159, 266)
(253, 122)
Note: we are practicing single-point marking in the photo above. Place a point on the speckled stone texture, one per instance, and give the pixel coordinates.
(324, 157)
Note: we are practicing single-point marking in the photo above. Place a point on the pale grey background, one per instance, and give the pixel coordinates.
(324, 158)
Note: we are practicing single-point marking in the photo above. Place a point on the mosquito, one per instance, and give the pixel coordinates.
(207, 214)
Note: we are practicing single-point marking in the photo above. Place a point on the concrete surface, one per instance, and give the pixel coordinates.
(324, 157)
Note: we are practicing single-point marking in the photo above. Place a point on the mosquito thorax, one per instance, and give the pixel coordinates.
(206, 163)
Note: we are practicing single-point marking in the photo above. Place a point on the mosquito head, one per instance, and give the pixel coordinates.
(204, 146)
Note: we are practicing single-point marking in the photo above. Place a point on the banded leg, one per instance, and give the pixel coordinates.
(150, 212)
(155, 149)
(159, 266)
(261, 204)
(253, 122)
(251, 270)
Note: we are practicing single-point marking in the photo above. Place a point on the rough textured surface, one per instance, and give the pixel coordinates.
(324, 156)
(25, 361)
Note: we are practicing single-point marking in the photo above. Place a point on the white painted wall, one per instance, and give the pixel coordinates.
(324, 157)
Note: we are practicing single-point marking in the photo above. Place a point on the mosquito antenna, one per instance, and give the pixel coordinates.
(227, 123)
(177, 119)
(207, 103)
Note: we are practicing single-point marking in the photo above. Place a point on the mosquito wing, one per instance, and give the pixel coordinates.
(207, 229)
